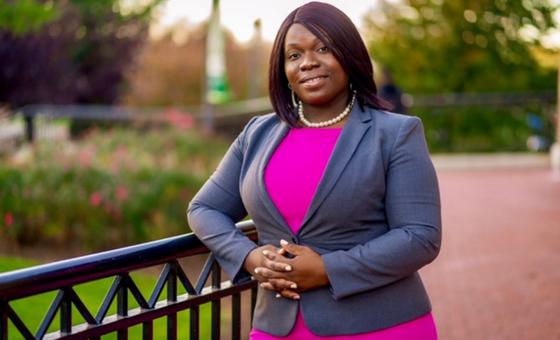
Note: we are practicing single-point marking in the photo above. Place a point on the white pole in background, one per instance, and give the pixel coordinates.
(217, 87)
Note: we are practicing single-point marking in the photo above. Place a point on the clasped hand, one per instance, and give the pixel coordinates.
(302, 270)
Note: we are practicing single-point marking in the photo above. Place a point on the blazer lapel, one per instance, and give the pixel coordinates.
(270, 146)
(349, 139)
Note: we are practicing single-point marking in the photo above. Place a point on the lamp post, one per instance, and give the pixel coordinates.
(217, 88)
(254, 69)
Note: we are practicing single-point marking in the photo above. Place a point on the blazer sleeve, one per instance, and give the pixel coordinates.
(216, 208)
(413, 214)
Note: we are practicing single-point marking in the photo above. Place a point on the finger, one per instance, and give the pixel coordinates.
(289, 294)
(269, 254)
(258, 274)
(281, 284)
(278, 258)
(277, 266)
(292, 248)
(268, 248)
(273, 286)
(267, 285)
(268, 273)
(277, 254)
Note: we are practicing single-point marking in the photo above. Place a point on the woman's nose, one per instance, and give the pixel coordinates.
(308, 62)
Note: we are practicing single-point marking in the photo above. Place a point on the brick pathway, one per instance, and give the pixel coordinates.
(498, 274)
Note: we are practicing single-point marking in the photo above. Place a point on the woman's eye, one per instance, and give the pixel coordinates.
(293, 56)
(323, 49)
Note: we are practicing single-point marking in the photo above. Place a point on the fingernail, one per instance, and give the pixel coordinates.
(265, 252)
(284, 242)
(296, 297)
(257, 270)
(293, 286)
(288, 268)
(261, 284)
(278, 295)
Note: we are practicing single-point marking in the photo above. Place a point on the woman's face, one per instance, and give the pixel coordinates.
(313, 72)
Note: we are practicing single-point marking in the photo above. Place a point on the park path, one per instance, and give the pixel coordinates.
(498, 273)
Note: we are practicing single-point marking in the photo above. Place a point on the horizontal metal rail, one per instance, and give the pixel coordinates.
(62, 276)
(229, 118)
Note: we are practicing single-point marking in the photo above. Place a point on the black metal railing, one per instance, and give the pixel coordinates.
(231, 117)
(63, 276)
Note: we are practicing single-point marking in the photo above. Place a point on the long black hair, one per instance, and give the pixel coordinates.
(340, 35)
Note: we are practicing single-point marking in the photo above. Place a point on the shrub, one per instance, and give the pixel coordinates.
(113, 188)
(484, 129)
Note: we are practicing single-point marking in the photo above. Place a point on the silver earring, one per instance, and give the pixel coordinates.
(294, 101)
(352, 90)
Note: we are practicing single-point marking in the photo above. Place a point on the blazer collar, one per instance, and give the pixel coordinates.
(349, 139)
(347, 143)
(276, 136)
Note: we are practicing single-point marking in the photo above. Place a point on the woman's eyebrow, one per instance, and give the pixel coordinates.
(295, 44)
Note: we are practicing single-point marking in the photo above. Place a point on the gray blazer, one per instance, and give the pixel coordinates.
(375, 220)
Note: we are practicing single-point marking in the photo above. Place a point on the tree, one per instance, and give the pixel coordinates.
(79, 57)
(25, 16)
(461, 45)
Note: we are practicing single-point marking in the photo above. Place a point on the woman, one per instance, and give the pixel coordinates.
(343, 195)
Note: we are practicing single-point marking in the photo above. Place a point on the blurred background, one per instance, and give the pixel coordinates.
(114, 112)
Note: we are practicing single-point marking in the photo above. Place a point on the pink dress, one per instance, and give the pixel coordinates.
(291, 178)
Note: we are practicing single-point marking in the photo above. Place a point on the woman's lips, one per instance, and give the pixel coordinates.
(313, 82)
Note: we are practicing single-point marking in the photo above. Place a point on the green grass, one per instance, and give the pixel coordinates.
(32, 310)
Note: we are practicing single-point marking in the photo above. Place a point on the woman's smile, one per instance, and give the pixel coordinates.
(313, 82)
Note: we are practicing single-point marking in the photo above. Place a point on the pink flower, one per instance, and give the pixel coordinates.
(178, 119)
(95, 199)
(8, 219)
(122, 193)
(84, 158)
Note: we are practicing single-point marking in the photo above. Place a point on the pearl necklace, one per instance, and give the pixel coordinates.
(327, 122)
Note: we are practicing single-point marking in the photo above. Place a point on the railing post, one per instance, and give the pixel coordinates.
(236, 316)
(29, 127)
(172, 297)
(122, 301)
(194, 323)
(3, 320)
(148, 330)
(216, 284)
(66, 313)
(122, 307)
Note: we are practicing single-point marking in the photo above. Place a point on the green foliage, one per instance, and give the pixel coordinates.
(479, 129)
(461, 45)
(25, 16)
(80, 54)
(115, 187)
